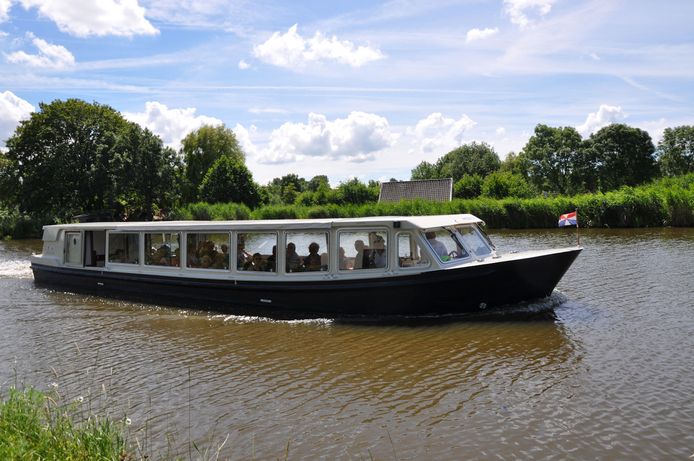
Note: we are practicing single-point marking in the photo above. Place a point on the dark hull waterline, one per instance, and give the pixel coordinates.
(454, 291)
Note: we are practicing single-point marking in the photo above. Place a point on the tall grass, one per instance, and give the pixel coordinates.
(668, 202)
(36, 425)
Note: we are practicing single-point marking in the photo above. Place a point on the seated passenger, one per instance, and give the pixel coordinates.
(343, 260)
(438, 247)
(255, 264)
(221, 260)
(242, 256)
(359, 258)
(379, 255)
(312, 262)
(270, 264)
(293, 260)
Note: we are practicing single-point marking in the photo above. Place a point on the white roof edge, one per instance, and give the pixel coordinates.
(323, 223)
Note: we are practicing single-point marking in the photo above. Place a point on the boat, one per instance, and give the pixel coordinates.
(372, 266)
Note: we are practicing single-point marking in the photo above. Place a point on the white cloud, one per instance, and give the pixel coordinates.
(655, 128)
(291, 50)
(355, 138)
(95, 17)
(500, 131)
(243, 65)
(243, 136)
(605, 115)
(519, 10)
(437, 133)
(49, 56)
(5, 10)
(172, 125)
(13, 109)
(480, 34)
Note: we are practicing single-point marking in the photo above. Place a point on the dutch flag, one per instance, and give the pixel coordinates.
(568, 219)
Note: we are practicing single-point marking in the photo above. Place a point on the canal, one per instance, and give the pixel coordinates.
(604, 368)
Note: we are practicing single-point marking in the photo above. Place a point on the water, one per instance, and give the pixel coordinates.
(608, 373)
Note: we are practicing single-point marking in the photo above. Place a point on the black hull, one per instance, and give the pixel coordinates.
(453, 291)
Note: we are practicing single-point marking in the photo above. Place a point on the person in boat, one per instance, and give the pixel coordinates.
(312, 262)
(438, 247)
(242, 256)
(359, 258)
(293, 259)
(378, 255)
(271, 263)
(221, 259)
(343, 260)
(255, 264)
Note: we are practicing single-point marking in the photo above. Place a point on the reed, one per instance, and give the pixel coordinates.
(38, 425)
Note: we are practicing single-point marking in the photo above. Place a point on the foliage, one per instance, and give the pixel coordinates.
(504, 184)
(676, 151)
(204, 211)
(669, 201)
(201, 149)
(624, 156)
(474, 158)
(229, 181)
(469, 186)
(34, 425)
(355, 192)
(318, 182)
(72, 157)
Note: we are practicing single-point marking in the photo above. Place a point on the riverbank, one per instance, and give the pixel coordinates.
(666, 202)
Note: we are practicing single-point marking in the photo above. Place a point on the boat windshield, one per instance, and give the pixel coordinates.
(445, 244)
(473, 241)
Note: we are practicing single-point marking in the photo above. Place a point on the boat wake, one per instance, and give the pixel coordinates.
(15, 269)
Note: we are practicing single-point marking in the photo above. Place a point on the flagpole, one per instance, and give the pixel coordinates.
(578, 239)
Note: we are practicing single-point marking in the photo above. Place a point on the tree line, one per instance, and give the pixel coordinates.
(558, 161)
(72, 157)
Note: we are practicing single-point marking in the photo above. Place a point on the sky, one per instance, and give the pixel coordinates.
(351, 89)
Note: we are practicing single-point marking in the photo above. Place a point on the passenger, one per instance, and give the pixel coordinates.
(438, 247)
(256, 263)
(205, 262)
(343, 260)
(379, 255)
(271, 263)
(312, 262)
(293, 260)
(242, 256)
(359, 258)
(221, 260)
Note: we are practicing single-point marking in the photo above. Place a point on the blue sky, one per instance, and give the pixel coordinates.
(354, 89)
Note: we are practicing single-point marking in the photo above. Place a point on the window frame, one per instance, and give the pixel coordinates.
(413, 238)
(233, 263)
(212, 270)
(285, 242)
(143, 240)
(140, 248)
(365, 230)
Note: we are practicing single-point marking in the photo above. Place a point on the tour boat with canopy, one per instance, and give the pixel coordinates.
(374, 266)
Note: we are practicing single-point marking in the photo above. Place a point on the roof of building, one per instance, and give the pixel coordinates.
(439, 190)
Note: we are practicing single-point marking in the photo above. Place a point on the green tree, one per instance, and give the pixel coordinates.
(424, 170)
(552, 159)
(676, 151)
(72, 157)
(504, 184)
(356, 192)
(229, 180)
(317, 182)
(469, 186)
(201, 149)
(623, 156)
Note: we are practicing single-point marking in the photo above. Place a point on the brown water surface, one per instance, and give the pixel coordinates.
(602, 369)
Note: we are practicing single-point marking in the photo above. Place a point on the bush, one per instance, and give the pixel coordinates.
(469, 186)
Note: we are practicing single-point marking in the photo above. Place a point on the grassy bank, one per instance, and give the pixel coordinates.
(36, 425)
(668, 202)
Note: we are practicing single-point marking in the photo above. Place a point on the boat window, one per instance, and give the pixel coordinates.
(409, 253)
(124, 248)
(162, 249)
(363, 249)
(474, 241)
(207, 251)
(444, 245)
(73, 245)
(256, 251)
(306, 252)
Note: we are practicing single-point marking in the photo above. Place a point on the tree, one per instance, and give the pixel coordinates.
(552, 159)
(469, 186)
(504, 184)
(623, 156)
(317, 182)
(474, 158)
(72, 157)
(424, 170)
(676, 151)
(356, 192)
(228, 180)
(201, 148)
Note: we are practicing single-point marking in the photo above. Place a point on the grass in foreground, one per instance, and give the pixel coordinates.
(34, 425)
